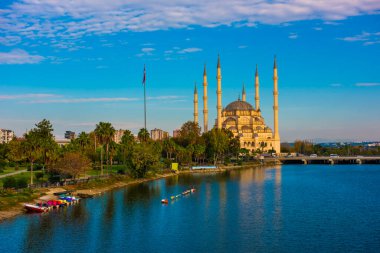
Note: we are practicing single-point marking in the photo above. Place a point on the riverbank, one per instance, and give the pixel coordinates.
(100, 186)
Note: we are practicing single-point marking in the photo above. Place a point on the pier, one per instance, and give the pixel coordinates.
(325, 160)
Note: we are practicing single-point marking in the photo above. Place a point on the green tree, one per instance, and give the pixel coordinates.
(217, 141)
(126, 146)
(113, 147)
(32, 149)
(104, 132)
(189, 133)
(144, 158)
(44, 134)
(83, 140)
(143, 135)
(16, 152)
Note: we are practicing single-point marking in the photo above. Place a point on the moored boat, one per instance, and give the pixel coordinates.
(35, 208)
(164, 201)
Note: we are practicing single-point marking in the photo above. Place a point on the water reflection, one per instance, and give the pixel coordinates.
(248, 210)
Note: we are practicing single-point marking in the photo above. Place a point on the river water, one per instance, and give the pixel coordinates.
(291, 208)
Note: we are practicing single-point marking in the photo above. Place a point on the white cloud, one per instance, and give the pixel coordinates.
(19, 56)
(190, 50)
(97, 100)
(242, 46)
(147, 50)
(365, 37)
(293, 36)
(27, 95)
(10, 40)
(71, 20)
(336, 85)
(367, 84)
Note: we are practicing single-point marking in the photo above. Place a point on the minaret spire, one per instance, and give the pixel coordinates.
(276, 135)
(257, 93)
(243, 94)
(195, 103)
(205, 109)
(219, 95)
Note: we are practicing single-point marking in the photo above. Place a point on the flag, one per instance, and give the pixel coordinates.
(144, 77)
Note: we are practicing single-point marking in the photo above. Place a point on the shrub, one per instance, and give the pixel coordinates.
(22, 183)
(39, 175)
(9, 182)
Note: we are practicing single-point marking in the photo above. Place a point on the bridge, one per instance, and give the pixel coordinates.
(325, 160)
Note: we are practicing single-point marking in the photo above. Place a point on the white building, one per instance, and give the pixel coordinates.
(6, 135)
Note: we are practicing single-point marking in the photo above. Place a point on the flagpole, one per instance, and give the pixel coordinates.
(144, 83)
(144, 108)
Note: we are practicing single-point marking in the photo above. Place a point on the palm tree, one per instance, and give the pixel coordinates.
(83, 140)
(104, 132)
(143, 135)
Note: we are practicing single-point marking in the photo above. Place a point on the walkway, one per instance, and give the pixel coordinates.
(13, 173)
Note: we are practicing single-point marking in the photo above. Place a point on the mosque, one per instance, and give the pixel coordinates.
(240, 117)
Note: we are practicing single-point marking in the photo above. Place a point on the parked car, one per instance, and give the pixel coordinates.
(313, 155)
(334, 155)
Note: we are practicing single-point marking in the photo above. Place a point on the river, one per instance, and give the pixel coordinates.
(290, 208)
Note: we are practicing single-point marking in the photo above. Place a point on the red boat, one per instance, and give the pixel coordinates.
(164, 201)
(35, 208)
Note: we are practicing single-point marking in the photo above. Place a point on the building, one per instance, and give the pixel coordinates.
(176, 133)
(158, 134)
(6, 135)
(117, 136)
(241, 118)
(62, 142)
(70, 135)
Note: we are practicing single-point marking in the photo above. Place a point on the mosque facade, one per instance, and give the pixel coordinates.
(240, 117)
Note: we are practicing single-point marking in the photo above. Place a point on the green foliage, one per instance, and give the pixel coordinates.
(39, 175)
(9, 182)
(21, 183)
(144, 159)
(143, 135)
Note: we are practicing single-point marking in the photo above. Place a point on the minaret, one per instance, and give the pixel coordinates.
(219, 96)
(276, 135)
(243, 94)
(195, 104)
(257, 95)
(205, 110)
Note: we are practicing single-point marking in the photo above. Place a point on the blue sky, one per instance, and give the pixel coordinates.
(81, 62)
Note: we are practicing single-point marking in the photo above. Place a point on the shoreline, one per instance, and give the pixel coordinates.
(99, 190)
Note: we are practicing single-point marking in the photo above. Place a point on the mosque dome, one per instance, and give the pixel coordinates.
(239, 106)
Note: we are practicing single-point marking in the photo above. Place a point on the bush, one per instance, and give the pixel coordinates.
(121, 171)
(22, 183)
(39, 175)
(9, 182)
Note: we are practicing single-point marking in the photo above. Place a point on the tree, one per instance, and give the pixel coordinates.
(189, 133)
(217, 141)
(83, 140)
(169, 147)
(113, 147)
(143, 135)
(72, 164)
(126, 146)
(104, 132)
(44, 134)
(144, 158)
(32, 149)
(16, 152)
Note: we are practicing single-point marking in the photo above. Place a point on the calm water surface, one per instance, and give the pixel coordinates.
(293, 208)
